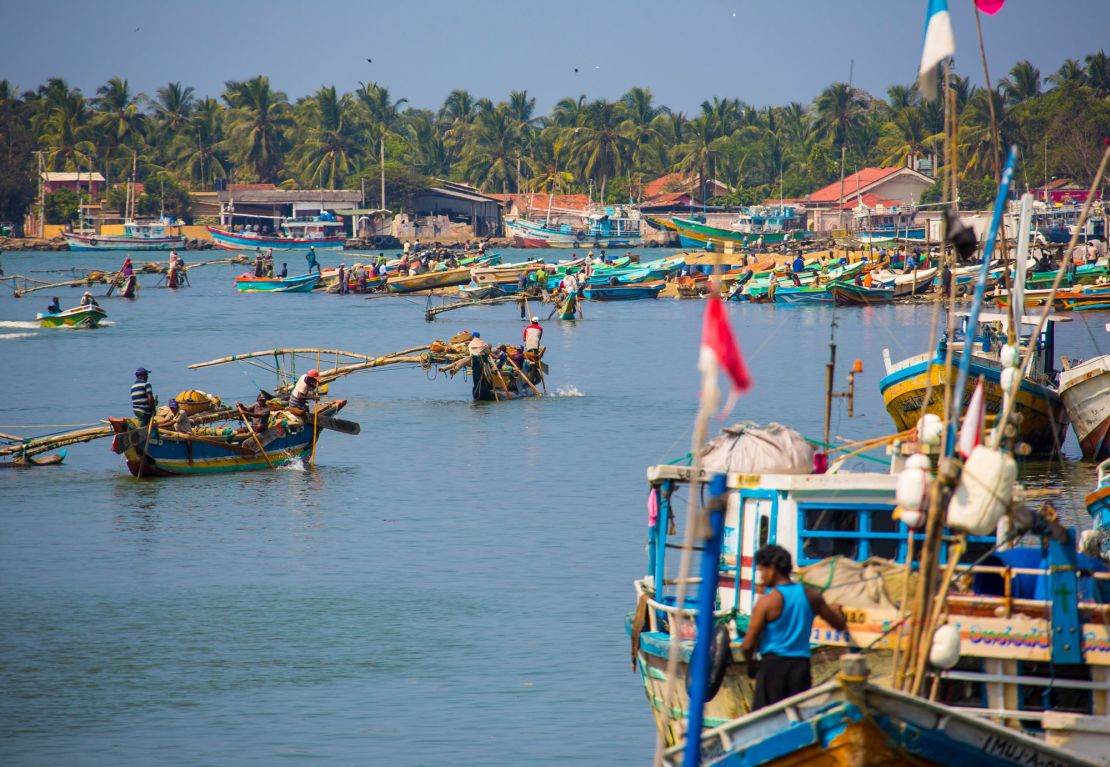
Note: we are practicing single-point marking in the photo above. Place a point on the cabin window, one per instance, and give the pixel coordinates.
(823, 533)
(764, 530)
(883, 521)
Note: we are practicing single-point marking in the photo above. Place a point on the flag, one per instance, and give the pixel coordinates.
(1017, 291)
(720, 352)
(989, 7)
(939, 44)
(971, 432)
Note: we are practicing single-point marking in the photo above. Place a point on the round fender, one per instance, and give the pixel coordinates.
(92, 242)
(719, 656)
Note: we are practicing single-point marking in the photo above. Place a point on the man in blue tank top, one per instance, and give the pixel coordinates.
(780, 627)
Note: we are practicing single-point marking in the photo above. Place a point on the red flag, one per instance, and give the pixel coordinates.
(718, 346)
(989, 7)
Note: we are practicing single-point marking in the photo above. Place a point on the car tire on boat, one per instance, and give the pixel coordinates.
(719, 656)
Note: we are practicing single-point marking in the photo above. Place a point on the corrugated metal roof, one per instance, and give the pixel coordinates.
(290, 196)
(53, 175)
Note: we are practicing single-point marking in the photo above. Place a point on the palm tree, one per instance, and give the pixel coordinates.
(172, 105)
(119, 121)
(1023, 83)
(1069, 75)
(548, 165)
(257, 124)
(902, 96)
(639, 121)
(600, 145)
(702, 150)
(198, 149)
(384, 119)
(568, 112)
(1098, 72)
(906, 138)
(329, 149)
(63, 124)
(839, 109)
(492, 149)
(431, 151)
(458, 107)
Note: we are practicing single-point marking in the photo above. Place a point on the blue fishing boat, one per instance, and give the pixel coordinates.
(606, 228)
(320, 232)
(304, 283)
(624, 292)
(569, 309)
(224, 445)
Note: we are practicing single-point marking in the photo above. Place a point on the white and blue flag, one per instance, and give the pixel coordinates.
(940, 43)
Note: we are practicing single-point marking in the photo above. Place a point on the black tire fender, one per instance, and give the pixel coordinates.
(719, 656)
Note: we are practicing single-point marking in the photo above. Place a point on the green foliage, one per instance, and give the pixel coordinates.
(401, 183)
(744, 196)
(164, 194)
(330, 139)
(61, 206)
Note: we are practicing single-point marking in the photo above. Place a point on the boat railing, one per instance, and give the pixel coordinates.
(645, 590)
(1103, 468)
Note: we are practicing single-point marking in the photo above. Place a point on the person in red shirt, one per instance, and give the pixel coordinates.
(532, 335)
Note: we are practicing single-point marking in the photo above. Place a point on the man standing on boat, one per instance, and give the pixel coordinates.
(310, 257)
(780, 629)
(143, 401)
(533, 334)
(304, 390)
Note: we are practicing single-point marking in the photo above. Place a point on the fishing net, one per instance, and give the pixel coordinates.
(748, 448)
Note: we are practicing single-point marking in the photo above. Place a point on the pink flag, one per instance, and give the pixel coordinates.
(720, 352)
(972, 431)
(990, 7)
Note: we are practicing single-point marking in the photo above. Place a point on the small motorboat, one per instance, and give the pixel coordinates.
(303, 283)
(88, 316)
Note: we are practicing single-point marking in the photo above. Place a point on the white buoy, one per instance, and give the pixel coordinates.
(945, 652)
(930, 429)
(984, 492)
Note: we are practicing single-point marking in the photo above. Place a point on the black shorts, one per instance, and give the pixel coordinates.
(779, 678)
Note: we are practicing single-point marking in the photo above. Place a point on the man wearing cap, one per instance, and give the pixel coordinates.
(477, 347)
(88, 300)
(532, 335)
(143, 401)
(176, 419)
(304, 390)
(310, 257)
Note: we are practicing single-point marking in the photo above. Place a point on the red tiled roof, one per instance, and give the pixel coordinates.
(670, 199)
(676, 181)
(250, 187)
(538, 202)
(869, 200)
(858, 180)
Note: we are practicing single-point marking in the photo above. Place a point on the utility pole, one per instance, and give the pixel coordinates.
(42, 196)
(382, 145)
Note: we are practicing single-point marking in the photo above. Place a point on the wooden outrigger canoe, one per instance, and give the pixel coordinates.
(624, 292)
(851, 294)
(304, 283)
(429, 280)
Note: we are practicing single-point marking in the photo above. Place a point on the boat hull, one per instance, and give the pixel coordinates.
(301, 284)
(1085, 391)
(693, 234)
(232, 241)
(850, 294)
(487, 385)
(623, 292)
(1044, 419)
(79, 317)
(117, 242)
(527, 235)
(429, 281)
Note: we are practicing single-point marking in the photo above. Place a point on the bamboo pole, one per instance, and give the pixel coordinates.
(521, 374)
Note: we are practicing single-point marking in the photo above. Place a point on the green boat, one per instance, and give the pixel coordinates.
(77, 317)
(695, 234)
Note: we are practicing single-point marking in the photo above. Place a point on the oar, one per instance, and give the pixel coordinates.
(528, 380)
(257, 441)
(338, 424)
(146, 445)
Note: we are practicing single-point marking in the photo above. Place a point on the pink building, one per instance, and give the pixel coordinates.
(89, 183)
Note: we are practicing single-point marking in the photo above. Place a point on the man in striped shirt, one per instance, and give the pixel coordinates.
(142, 397)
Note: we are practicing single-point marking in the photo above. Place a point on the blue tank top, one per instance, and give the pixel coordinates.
(788, 634)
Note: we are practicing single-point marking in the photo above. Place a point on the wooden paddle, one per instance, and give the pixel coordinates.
(146, 445)
(521, 374)
(257, 441)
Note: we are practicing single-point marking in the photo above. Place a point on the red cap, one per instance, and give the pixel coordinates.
(313, 373)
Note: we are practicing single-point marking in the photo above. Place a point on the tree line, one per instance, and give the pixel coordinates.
(255, 133)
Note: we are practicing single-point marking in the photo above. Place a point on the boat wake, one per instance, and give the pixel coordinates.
(295, 465)
(18, 324)
(568, 391)
(16, 336)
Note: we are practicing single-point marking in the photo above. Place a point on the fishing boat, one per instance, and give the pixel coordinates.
(1096, 541)
(850, 294)
(1044, 417)
(1084, 387)
(793, 294)
(503, 273)
(569, 309)
(624, 292)
(1055, 224)
(610, 227)
(429, 280)
(758, 287)
(697, 234)
(850, 720)
(137, 235)
(490, 382)
(303, 283)
(905, 284)
(882, 224)
(320, 232)
(77, 317)
(225, 445)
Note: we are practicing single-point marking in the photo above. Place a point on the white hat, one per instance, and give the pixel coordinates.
(535, 319)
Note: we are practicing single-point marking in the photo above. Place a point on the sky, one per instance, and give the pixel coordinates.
(760, 51)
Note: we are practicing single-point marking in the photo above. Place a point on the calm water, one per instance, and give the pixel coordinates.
(447, 587)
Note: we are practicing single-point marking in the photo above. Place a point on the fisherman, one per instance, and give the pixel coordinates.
(799, 264)
(342, 278)
(259, 413)
(176, 419)
(126, 270)
(143, 401)
(259, 265)
(305, 390)
(533, 334)
(88, 300)
(477, 347)
(780, 628)
(284, 270)
(360, 280)
(310, 257)
(54, 307)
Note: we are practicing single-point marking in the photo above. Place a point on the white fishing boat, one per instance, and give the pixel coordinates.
(1085, 390)
(157, 234)
(906, 283)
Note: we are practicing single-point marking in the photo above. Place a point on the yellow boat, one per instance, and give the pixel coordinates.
(429, 280)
